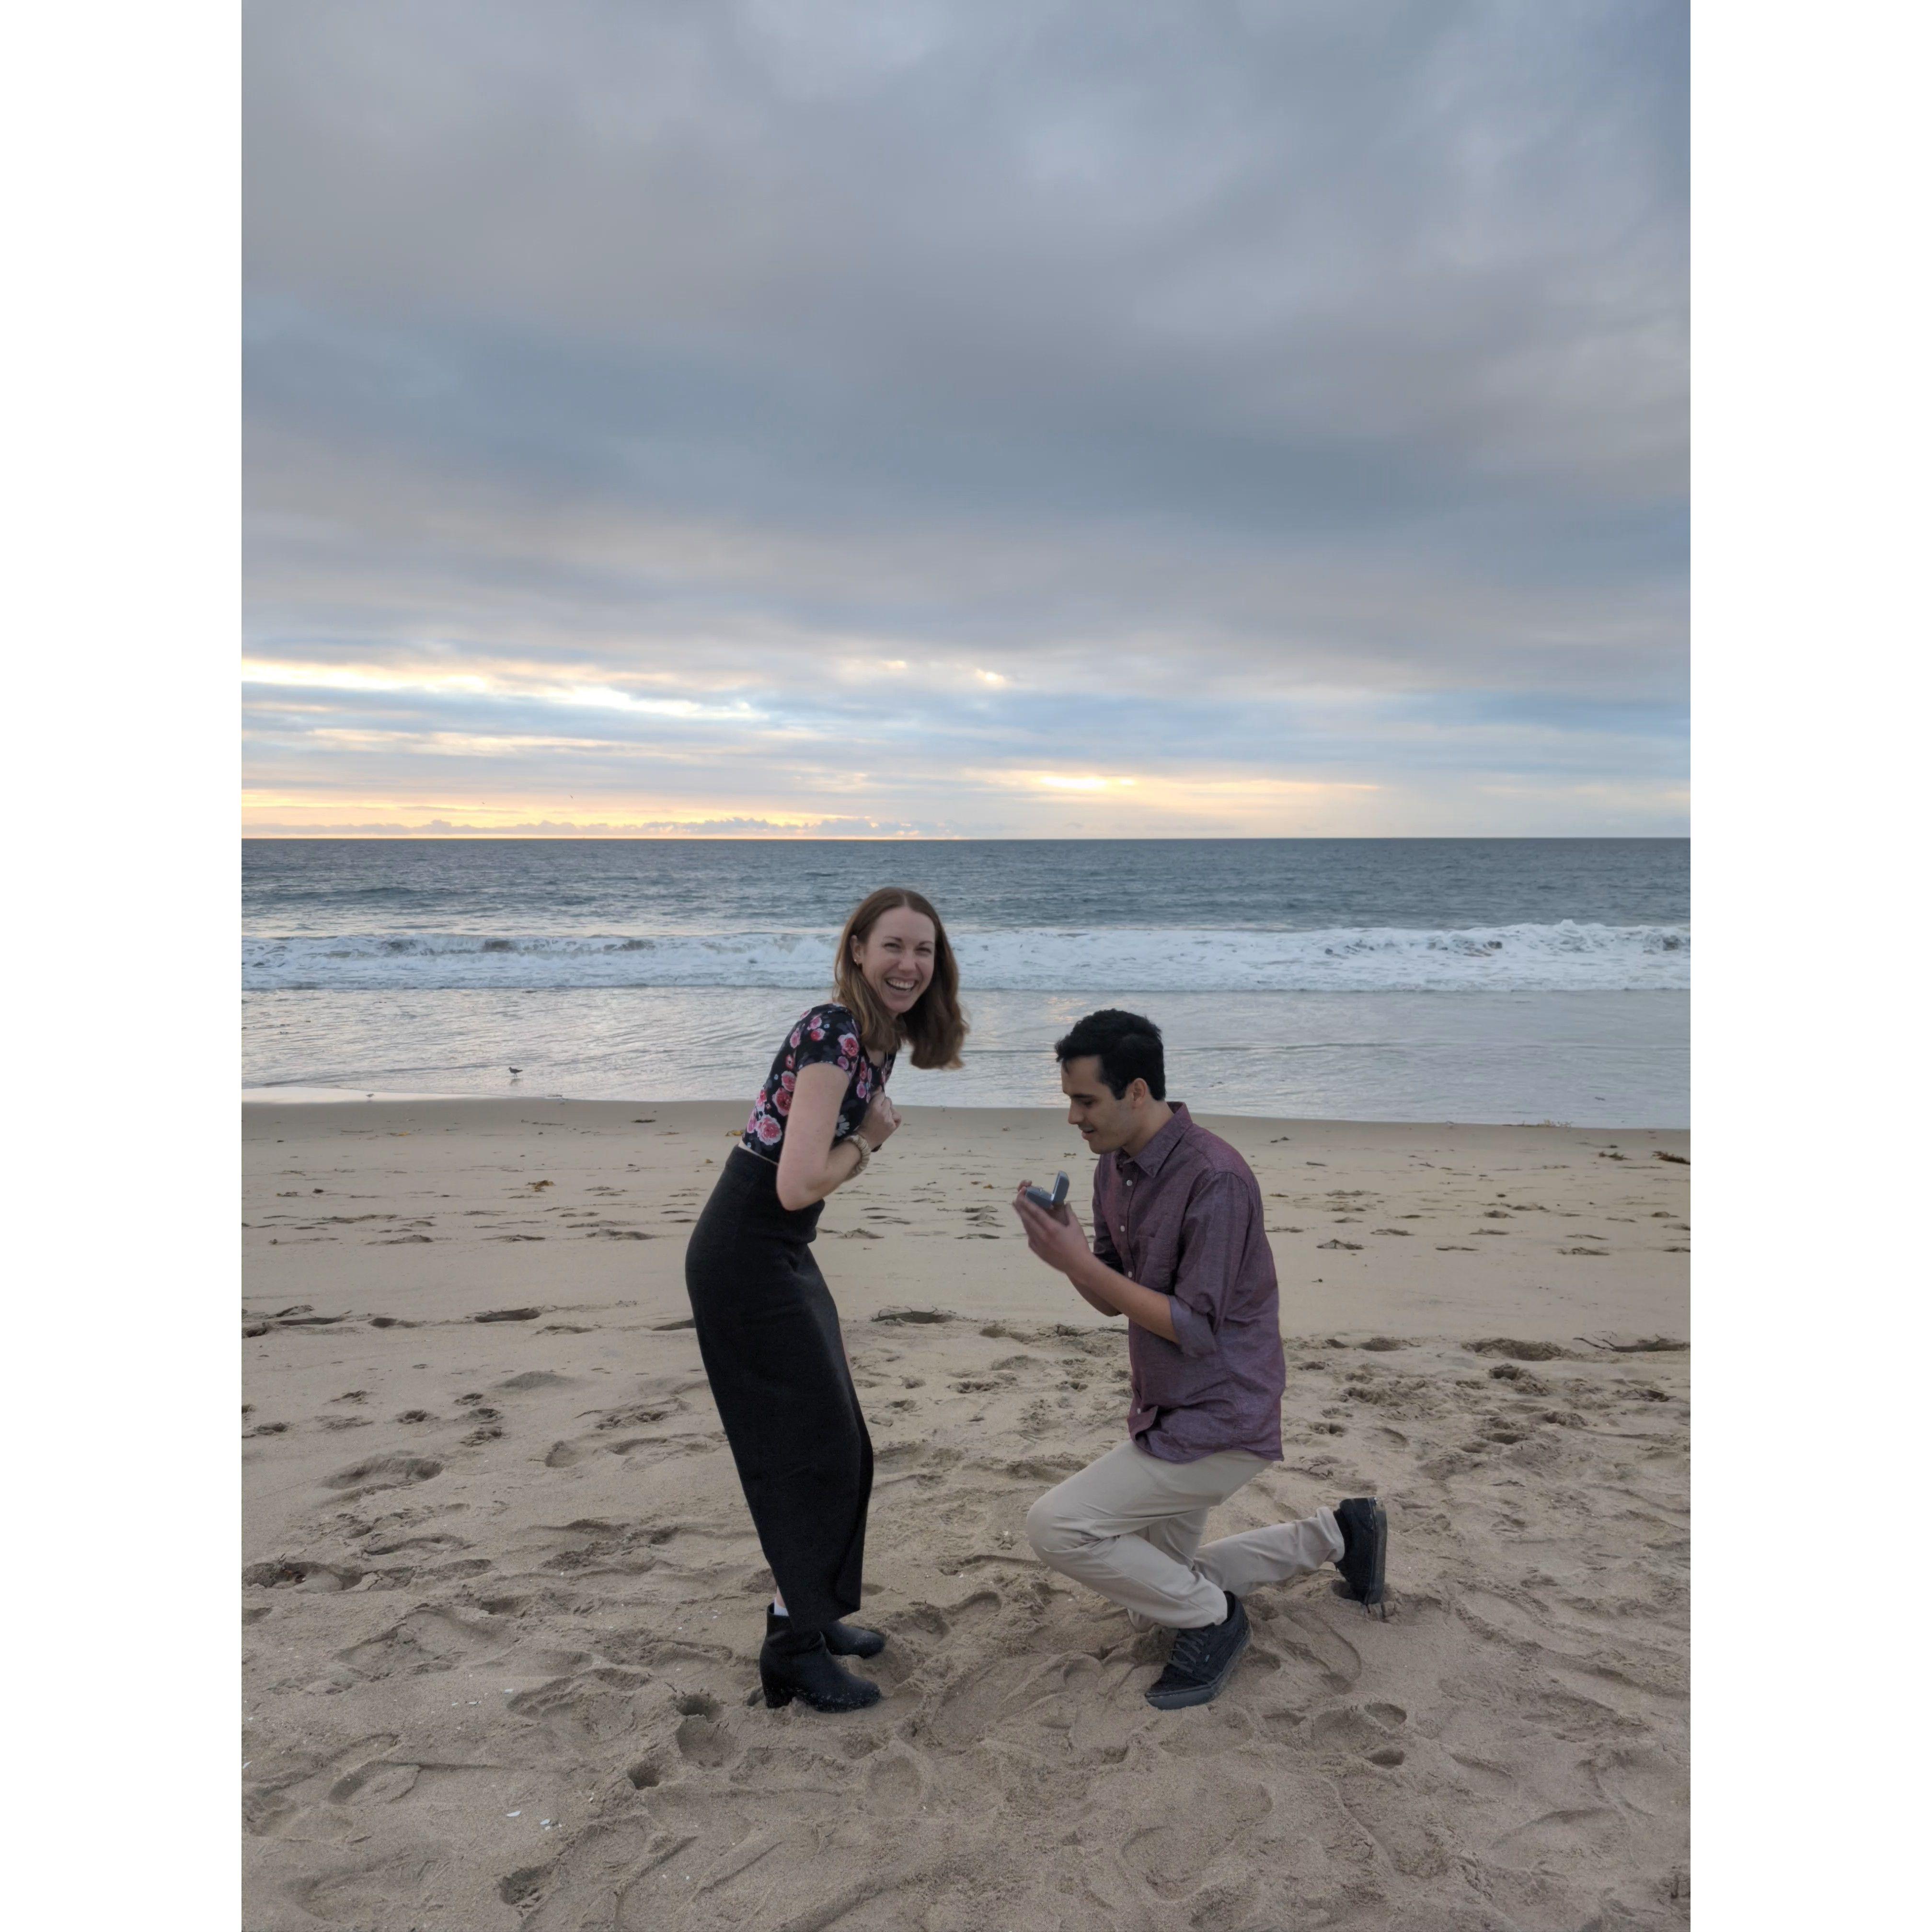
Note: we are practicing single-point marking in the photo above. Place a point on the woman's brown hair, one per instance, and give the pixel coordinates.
(935, 1029)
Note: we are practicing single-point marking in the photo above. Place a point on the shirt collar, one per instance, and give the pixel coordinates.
(1151, 1157)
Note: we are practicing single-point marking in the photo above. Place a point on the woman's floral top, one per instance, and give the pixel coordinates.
(828, 1034)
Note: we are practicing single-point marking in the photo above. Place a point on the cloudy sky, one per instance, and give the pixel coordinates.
(956, 417)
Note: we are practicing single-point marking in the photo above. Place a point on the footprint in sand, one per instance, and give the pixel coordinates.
(701, 1738)
(981, 1699)
(284, 1573)
(523, 1887)
(583, 1711)
(895, 1780)
(433, 1542)
(429, 1639)
(380, 1782)
(1219, 1806)
(383, 1472)
(1521, 1378)
(367, 1893)
(1301, 1632)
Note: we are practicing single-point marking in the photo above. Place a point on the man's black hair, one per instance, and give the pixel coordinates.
(1126, 1044)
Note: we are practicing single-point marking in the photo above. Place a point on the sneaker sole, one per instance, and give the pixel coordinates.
(1202, 1693)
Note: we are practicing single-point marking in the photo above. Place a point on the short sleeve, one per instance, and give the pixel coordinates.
(827, 1036)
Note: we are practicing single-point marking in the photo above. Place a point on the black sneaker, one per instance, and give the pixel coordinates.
(1364, 1528)
(1201, 1661)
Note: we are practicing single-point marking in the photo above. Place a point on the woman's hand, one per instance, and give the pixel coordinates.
(881, 1121)
(805, 1170)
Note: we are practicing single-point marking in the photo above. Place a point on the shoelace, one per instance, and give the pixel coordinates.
(1190, 1648)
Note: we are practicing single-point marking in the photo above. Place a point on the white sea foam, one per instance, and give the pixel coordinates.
(1567, 957)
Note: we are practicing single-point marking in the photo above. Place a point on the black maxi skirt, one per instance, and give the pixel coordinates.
(769, 1333)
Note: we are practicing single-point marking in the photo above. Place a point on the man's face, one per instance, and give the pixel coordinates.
(1105, 1123)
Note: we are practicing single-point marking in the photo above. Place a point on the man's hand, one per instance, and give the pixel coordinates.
(1054, 1235)
(1059, 1239)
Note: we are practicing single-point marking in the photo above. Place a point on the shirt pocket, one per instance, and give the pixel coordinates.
(1158, 1258)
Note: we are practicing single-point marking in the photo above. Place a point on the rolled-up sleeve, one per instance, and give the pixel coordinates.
(1214, 1233)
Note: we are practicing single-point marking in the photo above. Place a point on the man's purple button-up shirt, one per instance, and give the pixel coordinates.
(1184, 1216)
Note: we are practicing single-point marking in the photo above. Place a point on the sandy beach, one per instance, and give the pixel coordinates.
(502, 1598)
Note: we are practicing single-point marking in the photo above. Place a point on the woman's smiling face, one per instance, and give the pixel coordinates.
(896, 957)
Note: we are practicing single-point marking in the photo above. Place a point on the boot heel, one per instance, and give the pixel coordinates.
(813, 1676)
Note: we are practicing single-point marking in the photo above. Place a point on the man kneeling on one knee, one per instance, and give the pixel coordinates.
(1180, 1249)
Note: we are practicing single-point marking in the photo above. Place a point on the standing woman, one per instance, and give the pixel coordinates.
(766, 1326)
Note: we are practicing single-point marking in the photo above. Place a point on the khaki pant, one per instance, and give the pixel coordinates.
(1129, 1526)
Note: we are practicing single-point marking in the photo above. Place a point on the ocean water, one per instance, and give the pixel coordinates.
(1475, 979)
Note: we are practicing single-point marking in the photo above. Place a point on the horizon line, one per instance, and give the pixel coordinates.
(948, 839)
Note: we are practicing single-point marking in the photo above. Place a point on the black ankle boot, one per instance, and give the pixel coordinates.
(853, 1640)
(841, 1639)
(799, 1663)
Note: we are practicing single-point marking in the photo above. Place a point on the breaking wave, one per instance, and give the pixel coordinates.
(1567, 957)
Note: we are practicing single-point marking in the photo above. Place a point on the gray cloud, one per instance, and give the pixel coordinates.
(1297, 388)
